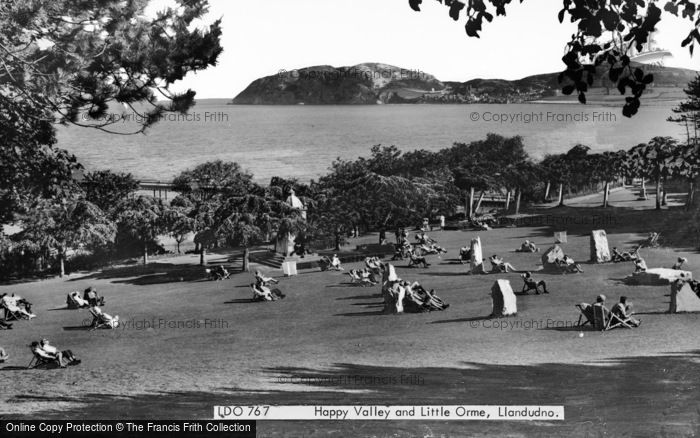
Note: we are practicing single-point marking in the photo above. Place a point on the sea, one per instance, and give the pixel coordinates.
(302, 141)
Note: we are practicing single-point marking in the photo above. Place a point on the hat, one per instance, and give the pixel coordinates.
(600, 298)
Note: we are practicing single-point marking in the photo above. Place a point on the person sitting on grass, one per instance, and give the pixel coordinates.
(64, 357)
(569, 264)
(417, 260)
(623, 311)
(465, 254)
(498, 265)
(3, 355)
(531, 284)
(261, 279)
(640, 265)
(679, 264)
(335, 263)
(527, 246)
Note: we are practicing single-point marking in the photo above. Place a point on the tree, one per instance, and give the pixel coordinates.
(608, 32)
(685, 164)
(63, 224)
(178, 223)
(143, 219)
(66, 58)
(107, 189)
(213, 179)
(654, 160)
(689, 111)
(607, 167)
(557, 171)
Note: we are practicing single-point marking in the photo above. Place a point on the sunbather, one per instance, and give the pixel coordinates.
(498, 265)
(3, 355)
(416, 260)
(625, 256)
(335, 263)
(527, 246)
(64, 358)
(90, 295)
(623, 312)
(569, 265)
(679, 264)
(261, 279)
(640, 265)
(531, 284)
(11, 305)
(101, 318)
(75, 301)
(465, 254)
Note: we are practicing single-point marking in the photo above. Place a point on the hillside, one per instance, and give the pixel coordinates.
(375, 83)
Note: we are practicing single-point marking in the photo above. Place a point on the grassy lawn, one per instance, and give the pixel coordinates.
(187, 344)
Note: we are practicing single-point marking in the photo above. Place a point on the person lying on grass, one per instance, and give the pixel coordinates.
(623, 311)
(417, 260)
(498, 265)
(569, 265)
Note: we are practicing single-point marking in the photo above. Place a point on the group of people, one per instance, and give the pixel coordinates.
(401, 296)
(261, 288)
(89, 298)
(621, 313)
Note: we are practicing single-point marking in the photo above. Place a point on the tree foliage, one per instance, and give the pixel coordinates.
(608, 32)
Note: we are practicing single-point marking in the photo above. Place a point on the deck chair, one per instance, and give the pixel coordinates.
(585, 312)
(42, 360)
(601, 317)
(13, 315)
(615, 321)
(417, 260)
(653, 240)
(99, 321)
(355, 276)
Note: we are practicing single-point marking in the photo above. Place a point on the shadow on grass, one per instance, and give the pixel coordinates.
(602, 398)
(154, 273)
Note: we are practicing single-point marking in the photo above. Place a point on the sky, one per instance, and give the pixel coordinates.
(261, 38)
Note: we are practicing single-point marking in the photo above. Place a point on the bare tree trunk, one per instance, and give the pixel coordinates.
(606, 194)
(202, 250)
(663, 196)
(547, 189)
(644, 190)
(561, 194)
(145, 253)
(478, 204)
(508, 200)
(658, 193)
(61, 263)
(691, 195)
(517, 201)
(471, 202)
(246, 259)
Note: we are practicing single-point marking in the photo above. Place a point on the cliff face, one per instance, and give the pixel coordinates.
(372, 83)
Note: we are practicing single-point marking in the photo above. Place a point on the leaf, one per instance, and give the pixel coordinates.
(582, 98)
(415, 4)
(568, 89)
